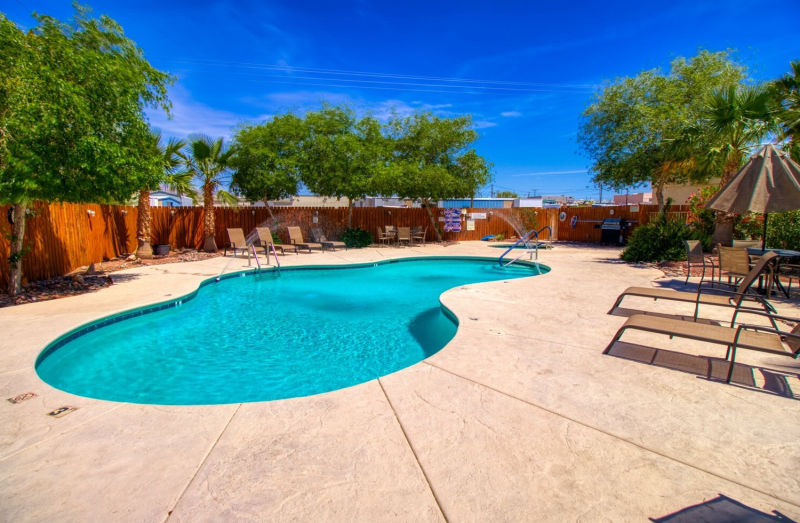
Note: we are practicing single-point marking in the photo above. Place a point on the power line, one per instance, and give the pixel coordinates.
(392, 76)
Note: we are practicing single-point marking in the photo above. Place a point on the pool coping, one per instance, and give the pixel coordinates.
(519, 414)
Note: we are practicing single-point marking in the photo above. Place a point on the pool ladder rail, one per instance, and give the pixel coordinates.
(531, 252)
(257, 268)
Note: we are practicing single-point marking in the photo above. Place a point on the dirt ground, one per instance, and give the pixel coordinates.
(87, 279)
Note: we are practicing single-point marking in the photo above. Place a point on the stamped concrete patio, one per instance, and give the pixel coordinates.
(519, 418)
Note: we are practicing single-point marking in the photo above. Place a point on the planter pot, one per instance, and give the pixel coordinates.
(161, 249)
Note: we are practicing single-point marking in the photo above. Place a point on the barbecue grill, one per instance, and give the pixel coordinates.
(611, 230)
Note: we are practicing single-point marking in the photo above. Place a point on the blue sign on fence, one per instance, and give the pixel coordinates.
(452, 220)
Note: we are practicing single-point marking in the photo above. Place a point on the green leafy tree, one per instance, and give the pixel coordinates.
(266, 159)
(172, 158)
(432, 160)
(341, 155)
(71, 122)
(647, 128)
(207, 160)
(507, 194)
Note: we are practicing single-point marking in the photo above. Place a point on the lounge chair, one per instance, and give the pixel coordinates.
(755, 337)
(296, 238)
(319, 236)
(404, 235)
(725, 298)
(265, 240)
(695, 255)
(236, 241)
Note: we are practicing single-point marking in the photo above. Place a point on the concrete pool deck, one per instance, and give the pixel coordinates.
(520, 417)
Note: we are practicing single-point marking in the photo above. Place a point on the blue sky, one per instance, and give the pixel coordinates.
(523, 70)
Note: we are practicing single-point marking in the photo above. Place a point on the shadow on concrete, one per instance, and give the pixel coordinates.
(771, 381)
(721, 509)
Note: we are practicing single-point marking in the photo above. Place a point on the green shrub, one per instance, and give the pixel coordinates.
(499, 237)
(659, 240)
(783, 230)
(356, 238)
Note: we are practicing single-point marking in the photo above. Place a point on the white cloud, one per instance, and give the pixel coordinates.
(511, 114)
(483, 124)
(191, 117)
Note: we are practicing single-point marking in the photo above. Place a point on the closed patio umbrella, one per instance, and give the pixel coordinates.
(768, 182)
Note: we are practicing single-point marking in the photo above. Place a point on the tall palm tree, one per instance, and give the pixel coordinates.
(208, 161)
(171, 159)
(737, 119)
(787, 97)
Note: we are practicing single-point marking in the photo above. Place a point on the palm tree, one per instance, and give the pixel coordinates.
(787, 98)
(737, 118)
(208, 161)
(171, 157)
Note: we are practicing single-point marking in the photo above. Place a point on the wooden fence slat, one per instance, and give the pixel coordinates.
(65, 236)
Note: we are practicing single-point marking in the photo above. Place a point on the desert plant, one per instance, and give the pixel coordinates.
(660, 240)
(356, 238)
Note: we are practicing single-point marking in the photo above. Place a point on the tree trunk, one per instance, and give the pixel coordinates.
(349, 213)
(427, 205)
(210, 244)
(16, 251)
(269, 210)
(659, 188)
(723, 221)
(144, 224)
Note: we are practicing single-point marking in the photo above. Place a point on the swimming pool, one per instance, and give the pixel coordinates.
(264, 336)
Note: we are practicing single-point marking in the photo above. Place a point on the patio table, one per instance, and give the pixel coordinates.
(783, 254)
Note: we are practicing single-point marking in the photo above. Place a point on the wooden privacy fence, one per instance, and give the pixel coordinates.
(61, 237)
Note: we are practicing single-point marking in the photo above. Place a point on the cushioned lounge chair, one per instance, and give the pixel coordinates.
(320, 237)
(724, 298)
(296, 237)
(744, 336)
(265, 240)
(236, 241)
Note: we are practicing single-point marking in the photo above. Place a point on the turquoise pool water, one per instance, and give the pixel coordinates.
(257, 337)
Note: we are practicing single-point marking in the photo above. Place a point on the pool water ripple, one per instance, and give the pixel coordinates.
(270, 336)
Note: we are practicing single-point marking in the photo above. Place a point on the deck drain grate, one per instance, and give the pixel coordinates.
(22, 397)
(61, 411)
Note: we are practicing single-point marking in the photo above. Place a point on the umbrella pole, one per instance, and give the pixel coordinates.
(764, 234)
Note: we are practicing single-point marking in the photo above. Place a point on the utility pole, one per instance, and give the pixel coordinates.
(491, 193)
(601, 193)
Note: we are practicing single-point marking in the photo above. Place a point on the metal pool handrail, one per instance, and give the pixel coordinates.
(525, 240)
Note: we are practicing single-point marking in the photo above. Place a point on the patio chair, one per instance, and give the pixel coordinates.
(734, 262)
(695, 255)
(319, 236)
(296, 238)
(265, 241)
(721, 298)
(385, 237)
(418, 235)
(404, 235)
(236, 241)
(755, 337)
